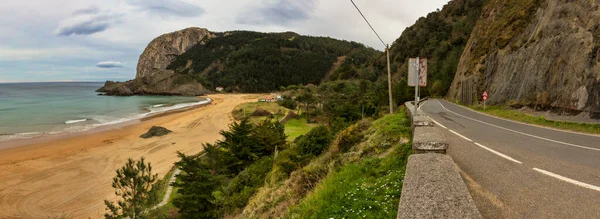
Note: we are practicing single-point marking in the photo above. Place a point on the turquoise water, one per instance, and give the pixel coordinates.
(35, 109)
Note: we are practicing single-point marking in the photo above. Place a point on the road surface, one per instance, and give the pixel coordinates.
(514, 170)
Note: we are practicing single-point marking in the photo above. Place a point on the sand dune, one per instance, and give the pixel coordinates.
(72, 176)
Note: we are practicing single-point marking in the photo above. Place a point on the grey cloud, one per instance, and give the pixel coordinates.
(87, 22)
(91, 10)
(109, 64)
(168, 7)
(85, 28)
(279, 12)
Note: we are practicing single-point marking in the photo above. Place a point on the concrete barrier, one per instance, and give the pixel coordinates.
(433, 188)
(427, 139)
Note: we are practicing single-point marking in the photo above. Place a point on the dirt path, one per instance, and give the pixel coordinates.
(72, 176)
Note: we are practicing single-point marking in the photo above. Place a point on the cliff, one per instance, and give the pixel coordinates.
(161, 51)
(540, 53)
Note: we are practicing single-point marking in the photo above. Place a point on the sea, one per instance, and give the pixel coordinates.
(29, 110)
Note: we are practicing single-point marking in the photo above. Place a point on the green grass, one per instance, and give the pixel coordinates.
(511, 114)
(369, 188)
(297, 127)
(245, 110)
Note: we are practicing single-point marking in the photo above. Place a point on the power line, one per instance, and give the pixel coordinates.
(385, 45)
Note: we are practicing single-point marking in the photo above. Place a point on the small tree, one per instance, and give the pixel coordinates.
(134, 183)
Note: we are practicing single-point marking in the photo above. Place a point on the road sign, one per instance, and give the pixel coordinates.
(485, 95)
(421, 68)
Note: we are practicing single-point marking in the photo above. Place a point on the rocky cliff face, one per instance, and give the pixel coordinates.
(161, 51)
(152, 78)
(541, 53)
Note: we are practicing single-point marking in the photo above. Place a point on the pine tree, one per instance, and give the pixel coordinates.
(134, 183)
(196, 184)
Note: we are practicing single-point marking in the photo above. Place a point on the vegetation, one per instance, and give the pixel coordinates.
(369, 188)
(297, 127)
(257, 112)
(512, 114)
(295, 174)
(441, 37)
(134, 184)
(247, 61)
(222, 181)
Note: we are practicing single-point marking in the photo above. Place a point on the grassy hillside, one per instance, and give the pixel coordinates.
(247, 61)
(364, 156)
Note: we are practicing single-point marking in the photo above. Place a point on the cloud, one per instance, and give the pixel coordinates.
(176, 8)
(109, 64)
(86, 22)
(277, 12)
(91, 10)
(63, 52)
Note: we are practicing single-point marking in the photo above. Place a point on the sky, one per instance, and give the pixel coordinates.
(91, 40)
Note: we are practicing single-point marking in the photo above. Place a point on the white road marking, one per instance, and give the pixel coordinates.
(529, 135)
(582, 184)
(459, 135)
(499, 154)
(437, 123)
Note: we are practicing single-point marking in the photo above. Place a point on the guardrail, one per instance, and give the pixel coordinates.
(432, 186)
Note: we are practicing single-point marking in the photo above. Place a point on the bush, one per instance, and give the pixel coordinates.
(315, 141)
(261, 112)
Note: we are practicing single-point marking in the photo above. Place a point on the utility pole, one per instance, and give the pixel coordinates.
(387, 49)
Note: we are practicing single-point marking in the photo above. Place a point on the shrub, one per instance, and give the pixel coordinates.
(261, 112)
(315, 141)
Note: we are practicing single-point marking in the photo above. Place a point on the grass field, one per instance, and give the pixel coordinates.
(297, 127)
(247, 109)
(511, 114)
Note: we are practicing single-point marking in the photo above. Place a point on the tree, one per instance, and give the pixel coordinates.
(196, 184)
(134, 183)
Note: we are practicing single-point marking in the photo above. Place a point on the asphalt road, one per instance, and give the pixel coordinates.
(514, 170)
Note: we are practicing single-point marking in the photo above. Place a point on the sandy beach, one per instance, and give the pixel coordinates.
(71, 176)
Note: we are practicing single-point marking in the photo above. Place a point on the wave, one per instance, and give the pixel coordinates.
(100, 120)
(75, 121)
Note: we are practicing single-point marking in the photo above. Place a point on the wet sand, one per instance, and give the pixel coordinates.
(71, 175)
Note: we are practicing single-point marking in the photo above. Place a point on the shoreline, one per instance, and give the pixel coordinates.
(72, 175)
(13, 143)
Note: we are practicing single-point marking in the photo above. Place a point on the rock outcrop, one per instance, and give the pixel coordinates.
(163, 82)
(161, 51)
(152, 77)
(155, 131)
(543, 53)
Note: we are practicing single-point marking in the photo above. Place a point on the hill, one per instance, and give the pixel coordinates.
(180, 63)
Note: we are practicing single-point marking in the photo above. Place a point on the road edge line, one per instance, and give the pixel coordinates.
(569, 180)
(459, 135)
(528, 124)
(522, 133)
(499, 154)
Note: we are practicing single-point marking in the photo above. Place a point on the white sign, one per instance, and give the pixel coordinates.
(412, 71)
